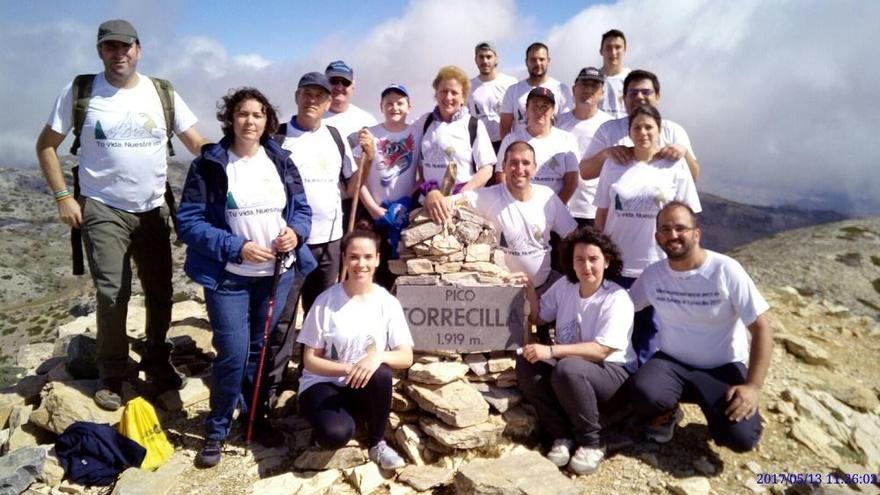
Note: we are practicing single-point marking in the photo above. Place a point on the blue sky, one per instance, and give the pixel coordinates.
(772, 94)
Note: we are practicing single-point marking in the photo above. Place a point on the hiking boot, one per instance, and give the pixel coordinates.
(109, 394)
(586, 459)
(156, 364)
(386, 457)
(266, 435)
(560, 452)
(209, 456)
(662, 427)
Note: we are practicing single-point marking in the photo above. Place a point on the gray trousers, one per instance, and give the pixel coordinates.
(113, 238)
(569, 396)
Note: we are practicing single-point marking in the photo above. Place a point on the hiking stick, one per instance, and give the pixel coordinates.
(363, 170)
(270, 309)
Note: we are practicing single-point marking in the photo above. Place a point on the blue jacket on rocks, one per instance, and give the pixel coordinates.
(201, 216)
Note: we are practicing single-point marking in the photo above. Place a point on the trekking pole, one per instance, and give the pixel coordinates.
(270, 309)
(363, 170)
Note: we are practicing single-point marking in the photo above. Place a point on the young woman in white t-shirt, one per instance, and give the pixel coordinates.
(591, 357)
(354, 334)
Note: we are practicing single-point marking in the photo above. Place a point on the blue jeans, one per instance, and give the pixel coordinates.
(237, 309)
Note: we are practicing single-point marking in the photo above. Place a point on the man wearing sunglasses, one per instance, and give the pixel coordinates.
(343, 114)
(612, 138)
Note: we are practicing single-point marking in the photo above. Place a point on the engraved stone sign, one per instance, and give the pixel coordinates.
(464, 319)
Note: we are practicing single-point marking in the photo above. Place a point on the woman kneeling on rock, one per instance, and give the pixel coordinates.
(583, 371)
(354, 334)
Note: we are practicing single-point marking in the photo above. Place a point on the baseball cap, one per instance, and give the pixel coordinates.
(588, 73)
(117, 30)
(485, 45)
(314, 79)
(541, 91)
(397, 88)
(338, 68)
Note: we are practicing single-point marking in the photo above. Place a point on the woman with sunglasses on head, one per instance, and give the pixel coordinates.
(570, 381)
(628, 198)
(354, 335)
(242, 206)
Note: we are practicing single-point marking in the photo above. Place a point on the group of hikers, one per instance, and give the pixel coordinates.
(591, 191)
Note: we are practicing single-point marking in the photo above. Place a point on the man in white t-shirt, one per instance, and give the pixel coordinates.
(612, 138)
(343, 114)
(704, 303)
(487, 90)
(323, 158)
(613, 48)
(122, 210)
(513, 106)
(582, 122)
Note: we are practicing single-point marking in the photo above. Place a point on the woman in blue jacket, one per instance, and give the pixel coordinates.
(242, 203)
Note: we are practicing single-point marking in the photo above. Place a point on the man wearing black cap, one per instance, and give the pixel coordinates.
(343, 114)
(327, 168)
(487, 90)
(582, 122)
(122, 210)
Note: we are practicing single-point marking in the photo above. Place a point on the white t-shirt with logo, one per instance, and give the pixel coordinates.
(555, 154)
(581, 203)
(393, 172)
(606, 317)
(514, 101)
(612, 103)
(702, 313)
(522, 228)
(317, 158)
(123, 152)
(255, 202)
(633, 195)
(484, 101)
(450, 142)
(616, 132)
(349, 122)
(347, 329)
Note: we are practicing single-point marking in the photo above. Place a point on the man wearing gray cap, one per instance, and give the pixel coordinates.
(123, 121)
(323, 158)
(343, 114)
(582, 122)
(487, 90)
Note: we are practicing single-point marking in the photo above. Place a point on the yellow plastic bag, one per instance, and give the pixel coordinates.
(139, 423)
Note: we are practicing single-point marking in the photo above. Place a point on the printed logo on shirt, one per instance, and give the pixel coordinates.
(354, 350)
(397, 158)
(566, 333)
(133, 131)
(643, 202)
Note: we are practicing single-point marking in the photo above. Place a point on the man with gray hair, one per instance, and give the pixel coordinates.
(343, 114)
(487, 90)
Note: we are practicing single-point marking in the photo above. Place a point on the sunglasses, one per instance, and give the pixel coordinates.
(640, 91)
(340, 80)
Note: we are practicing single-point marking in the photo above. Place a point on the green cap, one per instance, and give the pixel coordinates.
(117, 30)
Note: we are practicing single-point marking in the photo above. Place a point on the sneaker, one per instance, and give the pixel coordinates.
(209, 456)
(386, 457)
(109, 394)
(586, 459)
(560, 452)
(662, 427)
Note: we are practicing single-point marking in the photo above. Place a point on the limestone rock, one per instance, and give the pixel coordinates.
(498, 259)
(690, 486)
(401, 402)
(397, 267)
(469, 437)
(468, 232)
(501, 399)
(192, 333)
(418, 280)
(477, 363)
(506, 379)
(437, 373)
(815, 439)
(464, 279)
(456, 403)
(31, 356)
(319, 483)
(20, 468)
(52, 473)
(8, 401)
(411, 442)
(134, 481)
(366, 478)
(483, 267)
(67, 403)
(445, 244)
(478, 252)
(315, 459)
(520, 422)
(527, 473)
(423, 478)
(866, 439)
(418, 266)
(451, 267)
(499, 362)
(805, 349)
(284, 484)
(195, 391)
(421, 249)
(419, 233)
(812, 409)
(855, 395)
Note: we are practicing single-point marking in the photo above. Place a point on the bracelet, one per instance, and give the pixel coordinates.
(61, 195)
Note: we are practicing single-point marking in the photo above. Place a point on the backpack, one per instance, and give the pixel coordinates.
(82, 94)
(472, 132)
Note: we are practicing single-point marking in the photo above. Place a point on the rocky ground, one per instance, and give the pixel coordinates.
(820, 407)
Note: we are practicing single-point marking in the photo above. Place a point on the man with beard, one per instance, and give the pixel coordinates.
(513, 106)
(703, 302)
(487, 90)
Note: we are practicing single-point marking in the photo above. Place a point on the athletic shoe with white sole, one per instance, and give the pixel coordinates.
(586, 460)
(560, 452)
